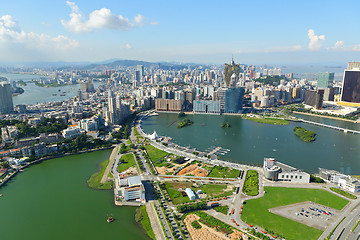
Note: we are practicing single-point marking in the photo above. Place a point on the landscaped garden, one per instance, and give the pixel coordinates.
(223, 172)
(126, 161)
(251, 184)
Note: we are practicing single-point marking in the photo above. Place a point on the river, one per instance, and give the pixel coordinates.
(51, 200)
(34, 94)
(251, 142)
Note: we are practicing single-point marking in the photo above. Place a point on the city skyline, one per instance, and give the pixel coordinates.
(254, 33)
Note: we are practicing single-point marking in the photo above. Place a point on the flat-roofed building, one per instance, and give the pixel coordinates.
(130, 189)
(277, 171)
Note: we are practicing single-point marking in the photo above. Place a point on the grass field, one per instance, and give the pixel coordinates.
(251, 184)
(224, 172)
(211, 190)
(94, 180)
(256, 212)
(155, 153)
(342, 192)
(128, 161)
(268, 120)
(142, 217)
(223, 209)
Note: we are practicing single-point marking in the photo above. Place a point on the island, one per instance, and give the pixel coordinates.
(305, 135)
(225, 125)
(185, 122)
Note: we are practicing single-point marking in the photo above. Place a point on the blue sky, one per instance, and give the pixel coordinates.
(183, 31)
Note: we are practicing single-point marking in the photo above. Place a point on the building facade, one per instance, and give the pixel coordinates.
(6, 101)
(314, 98)
(206, 106)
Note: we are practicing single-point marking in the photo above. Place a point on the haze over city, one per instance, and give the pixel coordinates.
(254, 32)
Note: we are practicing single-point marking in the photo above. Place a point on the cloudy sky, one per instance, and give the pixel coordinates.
(255, 31)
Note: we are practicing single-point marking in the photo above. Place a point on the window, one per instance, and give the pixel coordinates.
(287, 176)
(282, 176)
(291, 176)
(295, 176)
(300, 177)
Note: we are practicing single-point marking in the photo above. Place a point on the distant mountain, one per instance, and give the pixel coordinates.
(132, 63)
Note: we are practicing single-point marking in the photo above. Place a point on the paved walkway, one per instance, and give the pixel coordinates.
(109, 166)
(154, 221)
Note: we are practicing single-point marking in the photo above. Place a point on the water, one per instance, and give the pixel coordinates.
(251, 142)
(34, 94)
(52, 201)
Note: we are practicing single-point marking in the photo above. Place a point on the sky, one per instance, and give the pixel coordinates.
(253, 32)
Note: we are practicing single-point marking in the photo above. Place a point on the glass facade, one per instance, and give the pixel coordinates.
(351, 87)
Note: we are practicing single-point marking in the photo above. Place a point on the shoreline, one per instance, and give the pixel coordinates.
(329, 117)
(38, 161)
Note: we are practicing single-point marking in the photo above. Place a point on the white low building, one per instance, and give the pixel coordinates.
(131, 188)
(350, 184)
(277, 171)
(71, 132)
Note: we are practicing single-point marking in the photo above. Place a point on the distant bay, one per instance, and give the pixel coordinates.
(34, 94)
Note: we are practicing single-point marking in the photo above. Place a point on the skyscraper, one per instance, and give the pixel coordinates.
(325, 80)
(6, 102)
(351, 83)
(229, 70)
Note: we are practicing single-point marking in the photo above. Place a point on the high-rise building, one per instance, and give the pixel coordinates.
(112, 113)
(229, 70)
(325, 80)
(314, 98)
(140, 68)
(234, 100)
(6, 102)
(351, 83)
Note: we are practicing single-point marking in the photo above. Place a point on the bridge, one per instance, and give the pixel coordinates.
(345, 130)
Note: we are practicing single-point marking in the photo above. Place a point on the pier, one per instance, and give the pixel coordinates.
(345, 130)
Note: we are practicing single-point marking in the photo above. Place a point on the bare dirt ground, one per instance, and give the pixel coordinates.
(130, 171)
(195, 170)
(206, 233)
(164, 170)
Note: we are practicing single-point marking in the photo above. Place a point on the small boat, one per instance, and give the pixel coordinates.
(110, 219)
(274, 150)
(203, 124)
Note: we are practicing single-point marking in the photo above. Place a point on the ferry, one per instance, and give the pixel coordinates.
(110, 219)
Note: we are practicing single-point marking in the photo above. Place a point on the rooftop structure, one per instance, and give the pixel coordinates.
(277, 171)
(190, 193)
(130, 189)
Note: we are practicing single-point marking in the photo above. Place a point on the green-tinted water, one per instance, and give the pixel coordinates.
(250, 141)
(52, 201)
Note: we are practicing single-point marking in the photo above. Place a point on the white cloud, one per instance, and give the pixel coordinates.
(17, 43)
(98, 19)
(154, 23)
(127, 46)
(316, 42)
(339, 45)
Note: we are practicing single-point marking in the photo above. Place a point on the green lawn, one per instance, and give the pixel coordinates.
(256, 212)
(212, 191)
(155, 153)
(94, 180)
(128, 161)
(224, 172)
(251, 184)
(223, 209)
(268, 120)
(342, 192)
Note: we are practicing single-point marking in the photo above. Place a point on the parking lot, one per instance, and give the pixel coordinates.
(308, 213)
